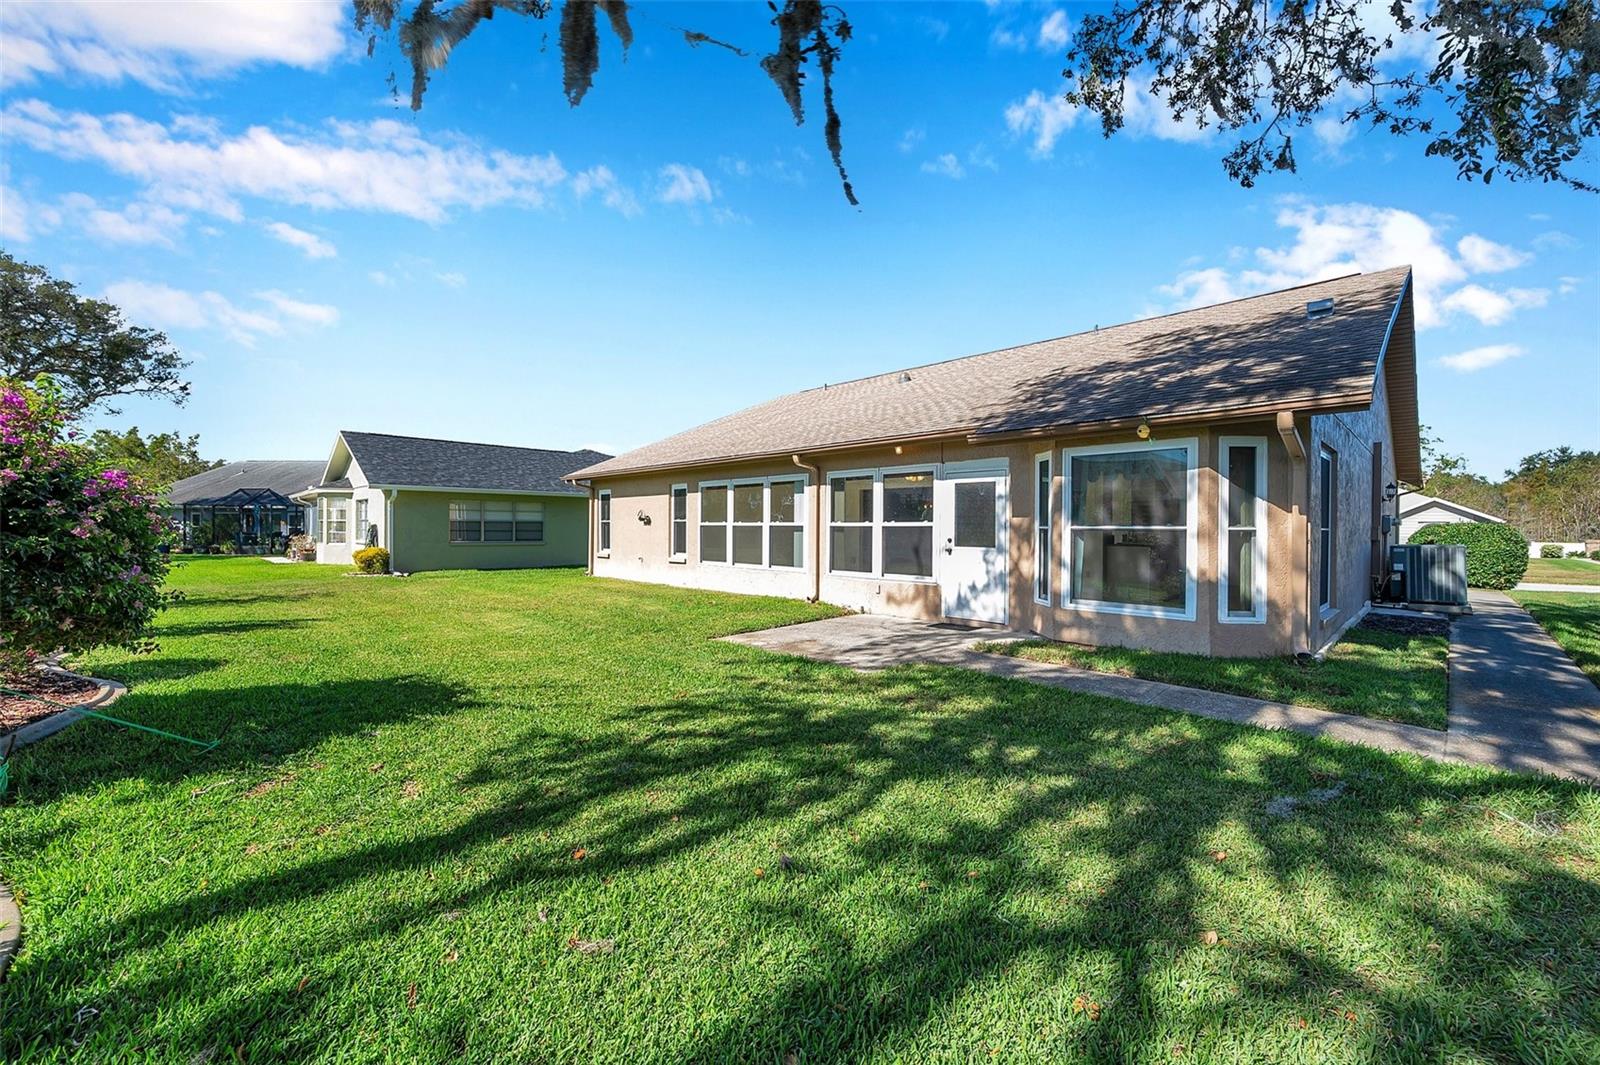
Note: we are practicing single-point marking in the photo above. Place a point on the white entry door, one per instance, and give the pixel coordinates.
(970, 513)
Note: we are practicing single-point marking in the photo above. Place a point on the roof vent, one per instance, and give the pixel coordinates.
(904, 377)
(1319, 309)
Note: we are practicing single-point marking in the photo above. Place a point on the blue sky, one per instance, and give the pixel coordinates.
(502, 267)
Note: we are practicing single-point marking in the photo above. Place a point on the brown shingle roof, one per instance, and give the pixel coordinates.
(1259, 352)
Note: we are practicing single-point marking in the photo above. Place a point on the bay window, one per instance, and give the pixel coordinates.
(1130, 528)
(1242, 535)
(335, 520)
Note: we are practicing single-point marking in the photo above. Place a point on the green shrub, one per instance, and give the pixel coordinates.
(372, 560)
(1497, 555)
(1595, 555)
(1550, 551)
(1576, 554)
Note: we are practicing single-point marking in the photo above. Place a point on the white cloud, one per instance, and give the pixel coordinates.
(1054, 31)
(1144, 114)
(980, 155)
(946, 165)
(136, 223)
(684, 184)
(1480, 358)
(23, 218)
(451, 278)
(314, 313)
(937, 28)
(1554, 238)
(381, 165)
(1335, 239)
(1482, 256)
(1044, 118)
(163, 44)
(1332, 134)
(313, 246)
(1010, 40)
(912, 137)
(1567, 285)
(380, 278)
(1490, 307)
(600, 179)
(162, 306)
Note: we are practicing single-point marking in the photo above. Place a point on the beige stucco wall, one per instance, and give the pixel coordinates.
(640, 549)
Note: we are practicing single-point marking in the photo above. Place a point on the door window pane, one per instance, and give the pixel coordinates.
(850, 548)
(1139, 488)
(975, 514)
(852, 499)
(1133, 568)
(908, 497)
(908, 550)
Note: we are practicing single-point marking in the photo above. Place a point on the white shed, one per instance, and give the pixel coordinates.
(1417, 510)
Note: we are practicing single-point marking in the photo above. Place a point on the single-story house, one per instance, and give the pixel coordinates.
(1218, 481)
(247, 504)
(1417, 510)
(447, 504)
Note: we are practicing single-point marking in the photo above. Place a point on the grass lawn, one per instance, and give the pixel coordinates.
(1372, 673)
(536, 817)
(1573, 619)
(1562, 571)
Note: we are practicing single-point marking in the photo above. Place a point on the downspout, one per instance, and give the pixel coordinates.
(388, 524)
(1300, 531)
(814, 514)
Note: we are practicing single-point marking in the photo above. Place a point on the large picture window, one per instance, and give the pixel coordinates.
(1130, 528)
(1327, 523)
(1242, 539)
(753, 522)
(498, 521)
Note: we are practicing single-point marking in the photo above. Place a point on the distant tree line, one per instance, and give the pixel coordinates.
(1550, 495)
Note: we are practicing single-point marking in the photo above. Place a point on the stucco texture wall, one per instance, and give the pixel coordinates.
(421, 538)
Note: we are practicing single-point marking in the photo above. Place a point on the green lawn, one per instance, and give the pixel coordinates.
(1562, 571)
(536, 817)
(1375, 674)
(1573, 619)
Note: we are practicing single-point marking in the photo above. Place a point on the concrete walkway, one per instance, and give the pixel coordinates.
(1592, 589)
(1517, 700)
(1552, 725)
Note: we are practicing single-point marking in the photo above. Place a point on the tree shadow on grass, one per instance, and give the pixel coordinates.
(970, 803)
(217, 628)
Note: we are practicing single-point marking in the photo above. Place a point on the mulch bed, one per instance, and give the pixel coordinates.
(16, 711)
(1407, 626)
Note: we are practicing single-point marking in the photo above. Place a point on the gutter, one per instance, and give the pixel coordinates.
(1299, 493)
(815, 516)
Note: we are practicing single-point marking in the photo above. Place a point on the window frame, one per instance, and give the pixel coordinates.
(602, 522)
(483, 505)
(328, 524)
(802, 483)
(1043, 526)
(1191, 446)
(1327, 530)
(361, 521)
(673, 522)
(1258, 554)
(878, 524)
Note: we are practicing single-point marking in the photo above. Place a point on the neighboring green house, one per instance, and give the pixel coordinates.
(446, 504)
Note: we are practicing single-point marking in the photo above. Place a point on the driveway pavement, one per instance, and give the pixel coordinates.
(1517, 701)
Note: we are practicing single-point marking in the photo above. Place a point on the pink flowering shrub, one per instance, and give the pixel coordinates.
(82, 549)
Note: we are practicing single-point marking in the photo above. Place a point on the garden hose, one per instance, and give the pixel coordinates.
(5, 761)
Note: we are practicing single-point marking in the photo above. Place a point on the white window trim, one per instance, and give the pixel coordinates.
(766, 523)
(726, 523)
(360, 520)
(1191, 445)
(1259, 551)
(679, 557)
(877, 524)
(602, 504)
(327, 523)
(1042, 522)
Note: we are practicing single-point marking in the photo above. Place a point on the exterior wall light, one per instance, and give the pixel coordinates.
(644, 519)
(1143, 431)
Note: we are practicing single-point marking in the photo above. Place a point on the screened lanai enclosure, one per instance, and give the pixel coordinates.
(243, 507)
(253, 520)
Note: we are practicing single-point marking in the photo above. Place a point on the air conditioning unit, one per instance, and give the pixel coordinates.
(1429, 574)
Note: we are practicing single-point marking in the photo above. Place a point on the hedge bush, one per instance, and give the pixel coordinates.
(1497, 555)
(372, 560)
(1550, 551)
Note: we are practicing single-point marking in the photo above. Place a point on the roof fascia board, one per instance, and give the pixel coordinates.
(480, 491)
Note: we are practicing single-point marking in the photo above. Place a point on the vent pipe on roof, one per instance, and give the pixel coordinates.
(904, 377)
(1319, 309)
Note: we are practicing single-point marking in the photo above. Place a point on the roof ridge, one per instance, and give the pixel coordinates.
(1096, 329)
(472, 443)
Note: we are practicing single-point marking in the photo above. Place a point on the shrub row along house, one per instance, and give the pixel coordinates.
(1220, 480)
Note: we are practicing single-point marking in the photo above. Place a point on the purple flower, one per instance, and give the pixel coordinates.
(8, 475)
(115, 478)
(12, 398)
